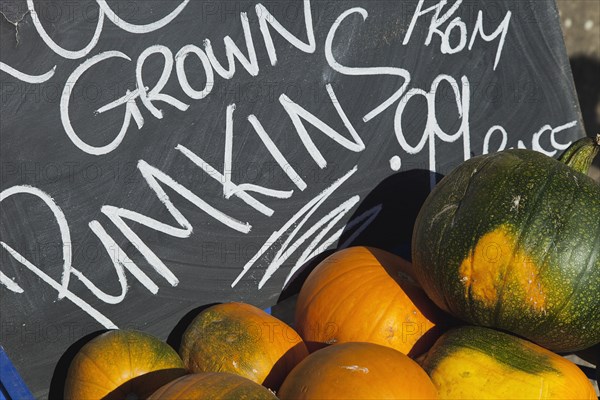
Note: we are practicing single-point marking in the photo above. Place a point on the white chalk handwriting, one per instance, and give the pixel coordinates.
(445, 30)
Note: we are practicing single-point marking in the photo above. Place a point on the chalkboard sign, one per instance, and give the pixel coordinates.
(161, 155)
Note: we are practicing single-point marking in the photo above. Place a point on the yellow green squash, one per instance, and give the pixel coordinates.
(121, 364)
(241, 339)
(511, 240)
(481, 363)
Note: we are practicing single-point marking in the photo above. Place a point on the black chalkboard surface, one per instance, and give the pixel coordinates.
(162, 155)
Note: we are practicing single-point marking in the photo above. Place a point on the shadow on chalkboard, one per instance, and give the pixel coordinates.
(587, 83)
(57, 384)
(401, 197)
(174, 338)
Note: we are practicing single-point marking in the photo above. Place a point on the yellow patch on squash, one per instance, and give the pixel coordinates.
(471, 374)
(496, 262)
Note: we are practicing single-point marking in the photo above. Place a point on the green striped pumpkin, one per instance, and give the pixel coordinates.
(511, 240)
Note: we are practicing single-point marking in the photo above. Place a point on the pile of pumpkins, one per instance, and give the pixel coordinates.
(505, 274)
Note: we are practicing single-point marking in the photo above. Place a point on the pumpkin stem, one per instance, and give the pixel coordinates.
(580, 154)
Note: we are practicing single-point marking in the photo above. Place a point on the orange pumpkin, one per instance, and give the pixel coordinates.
(362, 294)
(357, 371)
(244, 340)
(121, 364)
(213, 386)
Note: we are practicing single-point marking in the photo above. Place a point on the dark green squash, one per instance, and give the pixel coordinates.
(511, 240)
